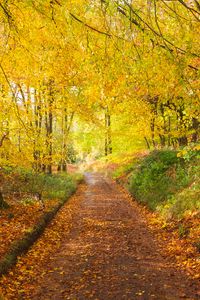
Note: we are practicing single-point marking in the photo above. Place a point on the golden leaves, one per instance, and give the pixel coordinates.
(182, 249)
(20, 281)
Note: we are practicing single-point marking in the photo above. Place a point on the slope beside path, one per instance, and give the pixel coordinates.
(106, 252)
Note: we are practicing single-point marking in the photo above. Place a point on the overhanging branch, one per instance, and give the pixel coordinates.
(89, 26)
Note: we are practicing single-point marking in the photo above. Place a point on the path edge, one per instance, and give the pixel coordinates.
(22, 245)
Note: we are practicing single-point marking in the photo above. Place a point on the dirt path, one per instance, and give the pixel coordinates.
(109, 253)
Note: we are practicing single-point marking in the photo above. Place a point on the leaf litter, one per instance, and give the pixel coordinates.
(101, 245)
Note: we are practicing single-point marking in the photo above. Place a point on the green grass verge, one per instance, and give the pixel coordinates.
(167, 182)
(124, 169)
(25, 182)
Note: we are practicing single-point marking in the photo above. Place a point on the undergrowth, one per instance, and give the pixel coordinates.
(43, 186)
(124, 170)
(166, 181)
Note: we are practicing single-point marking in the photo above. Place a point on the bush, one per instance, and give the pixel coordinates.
(159, 176)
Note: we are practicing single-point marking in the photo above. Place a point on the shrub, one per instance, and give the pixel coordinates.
(158, 177)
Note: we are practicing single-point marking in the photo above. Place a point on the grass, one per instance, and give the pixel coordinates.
(124, 170)
(183, 202)
(27, 183)
(158, 176)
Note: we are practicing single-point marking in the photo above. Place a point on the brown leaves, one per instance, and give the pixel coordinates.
(177, 245)
(99, 246)
(173, 244)
(17, 220)
(29, 267)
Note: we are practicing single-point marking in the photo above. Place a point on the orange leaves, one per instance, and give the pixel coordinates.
(20, 280)
(18, 220)
(176, 246)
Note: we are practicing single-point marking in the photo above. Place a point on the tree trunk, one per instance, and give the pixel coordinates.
(182, 140)
(195, 127)
(147, 142)
(67, 121)
(162, 140)
(153, 132)
(49, 127)
(3, 203)
(50, 146)
(38, 128)
(169, 131)
(108, 138)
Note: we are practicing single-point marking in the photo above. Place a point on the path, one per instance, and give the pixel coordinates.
(110, 254)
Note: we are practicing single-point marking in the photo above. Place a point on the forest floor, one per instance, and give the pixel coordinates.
(99, 246)
(18, 219)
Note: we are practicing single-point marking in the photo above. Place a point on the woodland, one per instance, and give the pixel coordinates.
(97, 76)
(101, 85)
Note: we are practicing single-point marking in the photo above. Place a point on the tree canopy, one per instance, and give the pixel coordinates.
(96, 76)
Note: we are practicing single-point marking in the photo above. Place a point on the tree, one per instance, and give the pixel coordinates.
(123, 72)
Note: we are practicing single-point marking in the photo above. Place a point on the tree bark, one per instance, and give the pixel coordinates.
(49, 127)
(195, 127)
(108, 137)
(147, 142)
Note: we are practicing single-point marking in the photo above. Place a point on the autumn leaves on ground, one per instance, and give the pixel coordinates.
(99, 246)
